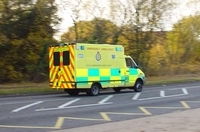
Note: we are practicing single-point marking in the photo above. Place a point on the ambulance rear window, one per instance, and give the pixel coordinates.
(56, 58)
(66, 58)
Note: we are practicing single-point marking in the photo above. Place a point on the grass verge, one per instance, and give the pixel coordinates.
(34, 88)
(173, 79)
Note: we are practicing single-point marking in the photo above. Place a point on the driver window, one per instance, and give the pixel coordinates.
(129, 63)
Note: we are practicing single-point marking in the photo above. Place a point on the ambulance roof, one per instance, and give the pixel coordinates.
(98, 44)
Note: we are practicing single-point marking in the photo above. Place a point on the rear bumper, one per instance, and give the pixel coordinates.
(62, 85)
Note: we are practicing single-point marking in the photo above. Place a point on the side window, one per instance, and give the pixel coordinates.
(56, 58)
(129, 63)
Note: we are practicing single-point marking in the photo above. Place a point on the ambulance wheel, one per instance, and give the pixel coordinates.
(138, 86)
(117, 90)
(94, 90)
(72, 92)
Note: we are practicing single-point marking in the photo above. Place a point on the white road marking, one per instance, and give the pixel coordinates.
(22, 102)
(190, 87)
(136, 96)
(120, 94)
(162, 97)
(27, 106)
(68, 103)
(77, 106)
(184, 91)
(105, 99)
(162, 93)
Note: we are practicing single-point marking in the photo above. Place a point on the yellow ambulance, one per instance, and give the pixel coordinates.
(80, 67)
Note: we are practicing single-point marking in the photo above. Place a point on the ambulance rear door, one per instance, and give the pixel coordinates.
(61, 65)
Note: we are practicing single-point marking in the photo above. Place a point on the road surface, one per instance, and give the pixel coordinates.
(60, 111)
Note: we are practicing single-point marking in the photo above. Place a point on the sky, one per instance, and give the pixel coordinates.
(182, 10)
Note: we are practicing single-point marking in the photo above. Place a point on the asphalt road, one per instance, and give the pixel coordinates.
(60, 111)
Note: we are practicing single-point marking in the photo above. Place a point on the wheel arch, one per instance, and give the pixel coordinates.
(139, 79)
(97, 83)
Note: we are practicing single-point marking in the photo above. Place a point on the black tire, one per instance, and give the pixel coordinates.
(94, 90)
(72, 92)
(117, 90)
(138, 86)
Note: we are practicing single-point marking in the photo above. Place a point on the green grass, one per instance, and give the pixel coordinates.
(17, 91)
(25, 88)
(33, 88)
(173, 79)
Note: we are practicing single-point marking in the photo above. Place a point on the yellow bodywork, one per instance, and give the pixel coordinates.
(80, 65)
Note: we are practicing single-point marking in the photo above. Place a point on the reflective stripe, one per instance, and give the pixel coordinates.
(62, 76)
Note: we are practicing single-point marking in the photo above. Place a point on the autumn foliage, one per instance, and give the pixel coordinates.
(158, 53)
(27, 29)
(26, 32)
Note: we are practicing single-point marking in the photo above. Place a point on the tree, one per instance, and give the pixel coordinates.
(140, 19)
(139, 26)
(183, 42)
(179, 52)
(96, 31)
(26, 30)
